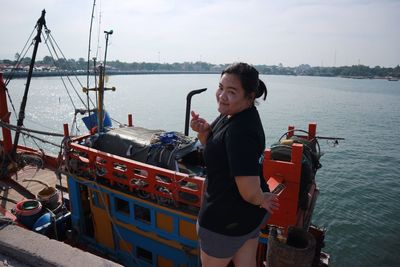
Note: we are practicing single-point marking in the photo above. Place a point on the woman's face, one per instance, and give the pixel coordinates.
(230, 95)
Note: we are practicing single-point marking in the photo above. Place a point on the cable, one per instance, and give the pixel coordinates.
(19, 59)
(23, 129)
(52, 42)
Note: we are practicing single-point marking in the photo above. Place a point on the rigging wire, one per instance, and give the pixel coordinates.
(53, 47)
(23, 129)
(40, 124)
(11, 102)
(40, 139)
(34, 141)
(52, 43)
(21, 56)
(26, 132)
(76, 77)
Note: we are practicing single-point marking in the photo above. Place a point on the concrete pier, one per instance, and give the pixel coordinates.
(20, 248)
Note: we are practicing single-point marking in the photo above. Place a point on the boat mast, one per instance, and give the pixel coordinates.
(40, 23)
(100, 90)
(100, 105)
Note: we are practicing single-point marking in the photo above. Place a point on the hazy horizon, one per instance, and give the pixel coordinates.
(193, 62)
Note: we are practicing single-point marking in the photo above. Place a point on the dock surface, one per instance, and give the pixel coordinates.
(26, 184)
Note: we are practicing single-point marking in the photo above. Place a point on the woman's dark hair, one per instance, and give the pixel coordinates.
(248, 77)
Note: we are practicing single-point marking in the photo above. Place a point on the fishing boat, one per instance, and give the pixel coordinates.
(132, 194)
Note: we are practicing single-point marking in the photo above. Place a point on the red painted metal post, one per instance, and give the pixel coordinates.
(312, 130)
(290, 131)
(297, 153)
(130, 122)
(5, 117)
(267, 157)
(66, 130)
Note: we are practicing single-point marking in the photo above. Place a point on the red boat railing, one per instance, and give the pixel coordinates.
(136, 176)
(289, 174)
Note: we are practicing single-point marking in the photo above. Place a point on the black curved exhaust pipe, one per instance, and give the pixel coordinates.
(188, 103)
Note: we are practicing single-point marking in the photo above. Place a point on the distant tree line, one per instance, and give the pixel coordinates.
(304, 69)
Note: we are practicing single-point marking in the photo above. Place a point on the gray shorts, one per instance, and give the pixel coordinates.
(224, 246)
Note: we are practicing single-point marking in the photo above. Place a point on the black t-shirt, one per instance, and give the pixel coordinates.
(233, 148)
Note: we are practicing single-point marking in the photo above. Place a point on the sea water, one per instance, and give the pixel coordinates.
(360, 179)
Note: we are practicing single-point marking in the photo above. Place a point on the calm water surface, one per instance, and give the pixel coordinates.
(359, 180)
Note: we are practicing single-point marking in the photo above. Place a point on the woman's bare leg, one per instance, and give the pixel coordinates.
(209, 261)
(246, 255)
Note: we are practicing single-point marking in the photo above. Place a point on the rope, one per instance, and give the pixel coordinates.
(74, 126)
(41, 140)
(22, 129)
(19, 59)
(40, 124)
(33, 140)
(8, 199)
(54, 62)
(50, 41)
(11, 102)
(80, 84)
(120, 123)
(38, 181)
(52, 47)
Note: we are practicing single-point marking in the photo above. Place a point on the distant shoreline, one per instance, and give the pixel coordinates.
(72, 67)
(24, 74)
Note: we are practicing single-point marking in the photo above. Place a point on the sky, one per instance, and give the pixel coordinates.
(268, 32)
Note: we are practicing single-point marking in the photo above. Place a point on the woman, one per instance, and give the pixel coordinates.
(236, 199)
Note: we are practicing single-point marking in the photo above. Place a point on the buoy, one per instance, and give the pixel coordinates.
(28, 211)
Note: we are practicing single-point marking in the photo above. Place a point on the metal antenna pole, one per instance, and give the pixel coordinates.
(100, 105)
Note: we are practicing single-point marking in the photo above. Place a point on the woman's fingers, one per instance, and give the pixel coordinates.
(194, 121)
(194, 115)
(198, 124)
(271, 202)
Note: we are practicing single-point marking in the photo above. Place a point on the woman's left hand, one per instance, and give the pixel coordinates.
(270, 202)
